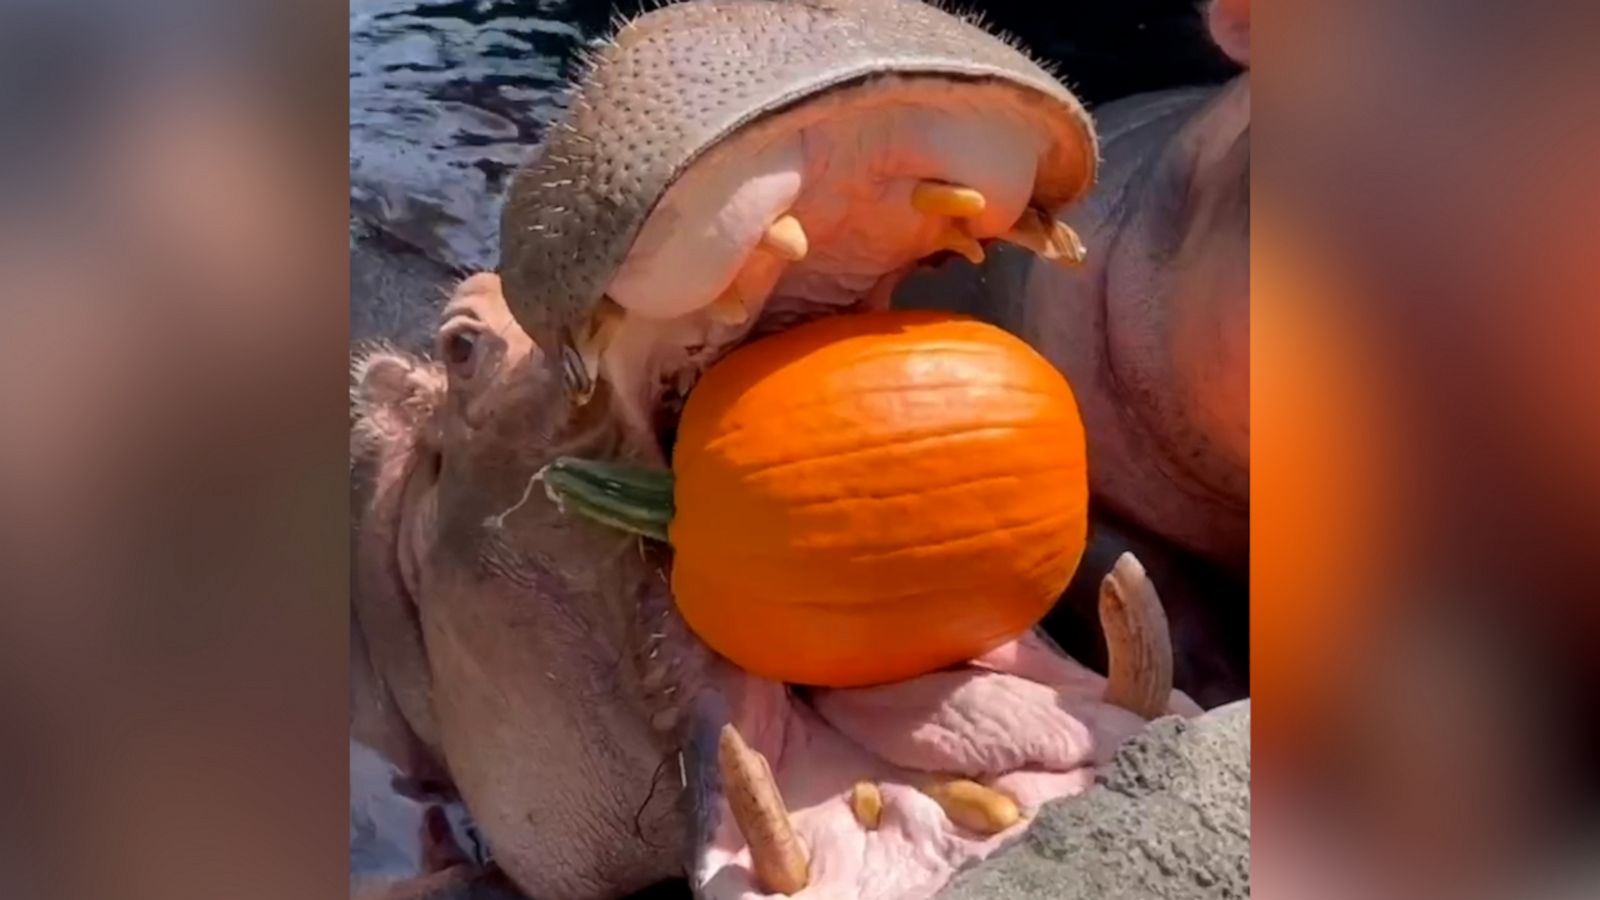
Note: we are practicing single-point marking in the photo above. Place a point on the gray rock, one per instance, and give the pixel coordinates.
(1169, 819)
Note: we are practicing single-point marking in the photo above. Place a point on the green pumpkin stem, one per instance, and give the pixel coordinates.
(631, 498)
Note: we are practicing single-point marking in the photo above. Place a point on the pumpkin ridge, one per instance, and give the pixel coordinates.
(899, 441)
(1018, 386)
(918, 594)
(887, 550)
(1012, 528)
(930, 491)
(942, 346)
(830, 399)
(874, 340)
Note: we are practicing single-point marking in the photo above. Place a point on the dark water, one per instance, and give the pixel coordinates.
(448, 96)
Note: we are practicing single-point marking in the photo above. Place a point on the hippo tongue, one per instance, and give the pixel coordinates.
(1024, 722)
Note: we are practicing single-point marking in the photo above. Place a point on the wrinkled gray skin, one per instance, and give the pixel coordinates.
(1152, 335)
(1156, 333)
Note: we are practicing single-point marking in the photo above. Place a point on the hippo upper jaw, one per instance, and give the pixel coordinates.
(821, 209)
(681, 84)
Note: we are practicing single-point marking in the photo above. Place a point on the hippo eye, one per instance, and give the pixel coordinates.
(466, 344)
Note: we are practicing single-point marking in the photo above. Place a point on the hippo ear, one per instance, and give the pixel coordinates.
(393, 396)
(1229, 21)
(392, 399)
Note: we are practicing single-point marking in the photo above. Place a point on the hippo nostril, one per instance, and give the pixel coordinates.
(458, 348)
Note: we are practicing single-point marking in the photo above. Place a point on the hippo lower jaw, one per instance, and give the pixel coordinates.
(888, 791)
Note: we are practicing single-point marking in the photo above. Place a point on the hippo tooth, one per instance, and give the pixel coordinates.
(973, 806)
(1139, 650)
(955, 237)
(1049, 238)
(938, 198)
(787, 239)
(776, 856)
(866, 801)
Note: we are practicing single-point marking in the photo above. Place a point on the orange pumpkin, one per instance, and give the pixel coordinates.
(871, 497)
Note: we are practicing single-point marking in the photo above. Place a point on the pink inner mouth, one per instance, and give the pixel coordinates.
(1024, 720)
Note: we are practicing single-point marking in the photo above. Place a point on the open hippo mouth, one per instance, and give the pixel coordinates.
(730, 169)
(882, 791)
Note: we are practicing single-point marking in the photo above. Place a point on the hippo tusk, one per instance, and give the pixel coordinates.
(973, 806)
(938, 198)
(776, 855)
(575, 374)
(580, 359)
(1138, 645)
(786, 239)
(866, 802)
(1046, 236)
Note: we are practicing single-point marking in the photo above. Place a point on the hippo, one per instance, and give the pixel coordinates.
(537, 664)
(728, 168)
